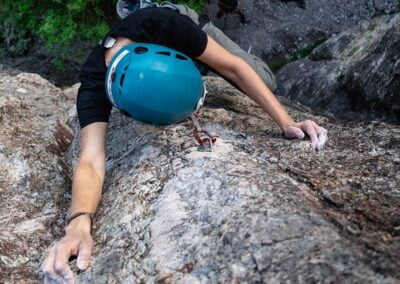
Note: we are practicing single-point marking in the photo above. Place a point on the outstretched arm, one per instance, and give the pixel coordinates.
(238, 71)
(86, 192)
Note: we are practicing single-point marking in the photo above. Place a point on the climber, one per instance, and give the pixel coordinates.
(126, 7)
(149, 28)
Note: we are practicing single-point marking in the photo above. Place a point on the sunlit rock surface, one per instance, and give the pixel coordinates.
(33, 181)
(258, 208)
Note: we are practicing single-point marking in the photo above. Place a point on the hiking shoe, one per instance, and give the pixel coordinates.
(127, 7)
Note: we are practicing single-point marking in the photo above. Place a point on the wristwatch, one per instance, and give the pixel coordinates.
(109, 42)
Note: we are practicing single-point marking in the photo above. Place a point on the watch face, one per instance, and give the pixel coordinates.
(109, 42)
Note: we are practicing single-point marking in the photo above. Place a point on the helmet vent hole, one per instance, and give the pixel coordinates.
(113, 77)
(121, 81)
(181, 57)
(167, 53)
(141, 50)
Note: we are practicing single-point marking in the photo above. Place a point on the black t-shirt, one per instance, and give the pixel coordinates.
(151, 25)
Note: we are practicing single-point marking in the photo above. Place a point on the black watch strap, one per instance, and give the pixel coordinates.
(77, 214)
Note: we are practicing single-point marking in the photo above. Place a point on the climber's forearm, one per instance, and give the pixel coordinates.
(86, 192)
(86, 188)
(251, 84)
(237, 70)
(89, 173)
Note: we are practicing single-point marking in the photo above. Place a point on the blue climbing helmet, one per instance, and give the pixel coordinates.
(154, 83)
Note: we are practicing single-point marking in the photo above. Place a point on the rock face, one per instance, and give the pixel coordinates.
(33, 182)
(357, 71)
(279, 28)
(258, 208)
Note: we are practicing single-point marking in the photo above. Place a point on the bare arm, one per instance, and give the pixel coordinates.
(89, 173)
(86, 192)
(238, 71)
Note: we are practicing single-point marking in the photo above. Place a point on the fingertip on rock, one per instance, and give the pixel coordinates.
(82, 264)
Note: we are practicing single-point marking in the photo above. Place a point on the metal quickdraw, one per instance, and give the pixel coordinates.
(205, 139)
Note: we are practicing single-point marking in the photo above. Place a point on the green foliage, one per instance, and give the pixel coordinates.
(15, 40)
(197, 5)
(58, 23)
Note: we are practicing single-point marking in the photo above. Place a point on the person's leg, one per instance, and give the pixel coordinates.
(257, 63)
(185, 10)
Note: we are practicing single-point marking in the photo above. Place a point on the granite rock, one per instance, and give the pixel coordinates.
(356, 72)
(278, 29)
(258, 208)
(33, 183)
